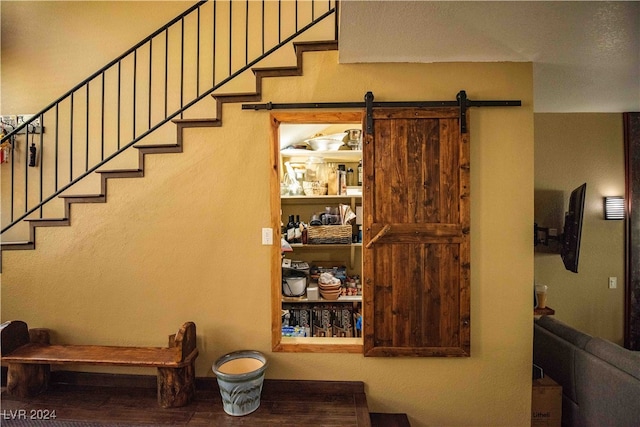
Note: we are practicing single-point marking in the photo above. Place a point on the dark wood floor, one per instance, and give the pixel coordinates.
(283, 403)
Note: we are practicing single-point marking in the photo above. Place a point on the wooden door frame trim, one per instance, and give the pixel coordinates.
(302, 345)
(631, 122)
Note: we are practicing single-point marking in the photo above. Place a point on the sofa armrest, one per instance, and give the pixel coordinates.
(557, 359)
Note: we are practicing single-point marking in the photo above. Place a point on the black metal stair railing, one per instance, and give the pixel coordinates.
(156, 81)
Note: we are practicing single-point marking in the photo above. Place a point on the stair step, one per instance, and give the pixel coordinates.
(17, 246)
(237, 97)
(49, 222)
(195, 123)
(316, 46)
(85, 198)
(123, 173)
(277, 71)
(160, 148)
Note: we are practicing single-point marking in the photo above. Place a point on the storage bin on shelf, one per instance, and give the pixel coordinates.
(329, 234)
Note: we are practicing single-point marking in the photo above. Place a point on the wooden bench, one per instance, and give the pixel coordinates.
(28, 354)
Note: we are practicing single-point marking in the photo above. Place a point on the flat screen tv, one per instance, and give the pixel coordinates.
(570, 249)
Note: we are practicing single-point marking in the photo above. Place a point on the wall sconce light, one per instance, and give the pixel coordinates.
(614, 207)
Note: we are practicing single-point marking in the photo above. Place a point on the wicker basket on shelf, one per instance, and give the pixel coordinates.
(329, 234)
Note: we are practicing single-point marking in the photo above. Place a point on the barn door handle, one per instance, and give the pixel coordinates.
(386, 229)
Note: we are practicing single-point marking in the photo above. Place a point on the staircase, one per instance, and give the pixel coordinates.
(147, 129)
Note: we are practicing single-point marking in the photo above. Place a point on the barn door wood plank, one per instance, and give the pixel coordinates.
(416, 234)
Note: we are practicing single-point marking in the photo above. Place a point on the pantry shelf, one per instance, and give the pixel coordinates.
(328, 155)
(303, 200)
(328, 246)
(351, 298)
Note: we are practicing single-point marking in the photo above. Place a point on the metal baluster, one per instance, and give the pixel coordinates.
(102, 120)
(182, 69)
(230, 32)
(150, 77)
(41, 163)
(198, 55)
(71, 140)
(166, 71)
(57, 138)
(119, 101)
(135, 78)
(86, 154)
(26, 169)
(13, 178)
(246, 34)
(213, 57)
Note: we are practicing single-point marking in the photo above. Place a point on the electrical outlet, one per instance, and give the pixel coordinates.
(613, 282)
(267, 236)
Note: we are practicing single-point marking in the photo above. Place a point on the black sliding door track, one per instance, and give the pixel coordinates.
(461, 102)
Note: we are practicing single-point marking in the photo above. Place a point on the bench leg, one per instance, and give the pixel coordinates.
(25, 380)
(176, 386)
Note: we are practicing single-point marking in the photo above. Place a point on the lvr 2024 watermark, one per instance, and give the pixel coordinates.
(28, 414)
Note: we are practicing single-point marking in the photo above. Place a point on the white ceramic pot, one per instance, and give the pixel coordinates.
(240, 377)
(294, 286)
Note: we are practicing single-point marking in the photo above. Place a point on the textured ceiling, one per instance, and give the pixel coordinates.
(586, 55)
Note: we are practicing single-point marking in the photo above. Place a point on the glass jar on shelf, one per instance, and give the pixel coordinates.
(315, 177)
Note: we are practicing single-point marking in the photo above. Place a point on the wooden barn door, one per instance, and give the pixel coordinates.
(416, 234)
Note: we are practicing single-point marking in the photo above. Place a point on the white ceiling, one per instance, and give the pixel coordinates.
(586, 54)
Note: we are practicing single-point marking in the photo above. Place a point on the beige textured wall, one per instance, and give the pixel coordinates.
(571, 149)
(184, 244)
(72, 38)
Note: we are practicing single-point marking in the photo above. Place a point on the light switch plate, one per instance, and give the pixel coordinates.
(267, 236)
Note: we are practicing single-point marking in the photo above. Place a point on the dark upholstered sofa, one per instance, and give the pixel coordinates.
(600, 380)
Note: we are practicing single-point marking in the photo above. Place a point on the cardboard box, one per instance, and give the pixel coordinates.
(342, 320)
(546, 403)
(299, 315)
(321, 321)
(332, 320)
